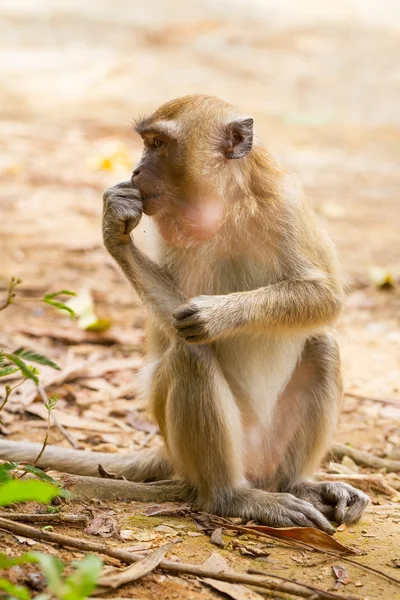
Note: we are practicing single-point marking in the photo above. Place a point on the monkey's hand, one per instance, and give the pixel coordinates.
(204, 319)
(122, 211)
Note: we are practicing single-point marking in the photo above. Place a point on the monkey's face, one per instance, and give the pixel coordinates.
(187, 145)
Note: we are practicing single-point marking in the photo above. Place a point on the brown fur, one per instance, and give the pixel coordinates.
(243, 378)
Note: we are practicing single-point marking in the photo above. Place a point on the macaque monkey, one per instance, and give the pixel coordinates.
(243, 374)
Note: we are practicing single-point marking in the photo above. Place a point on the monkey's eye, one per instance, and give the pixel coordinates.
(157, 143)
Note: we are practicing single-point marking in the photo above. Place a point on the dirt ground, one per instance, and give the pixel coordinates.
(322, 81)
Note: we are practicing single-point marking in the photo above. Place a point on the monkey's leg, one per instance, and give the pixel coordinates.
(139, 466)
(203, 431)
(314, 396)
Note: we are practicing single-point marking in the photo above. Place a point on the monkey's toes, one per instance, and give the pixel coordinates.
(349, 502)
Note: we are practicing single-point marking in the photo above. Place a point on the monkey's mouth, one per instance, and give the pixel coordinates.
(152, 204)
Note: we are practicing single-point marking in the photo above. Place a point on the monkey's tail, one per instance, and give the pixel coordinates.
(67, 460)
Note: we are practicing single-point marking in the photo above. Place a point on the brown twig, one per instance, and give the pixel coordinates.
(284, 586)
(315, 593)
(370, 399)
(365, 459)
(44, 518)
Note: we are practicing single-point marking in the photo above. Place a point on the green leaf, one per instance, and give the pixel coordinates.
(49, 299)
(39, 473)
(37, 358)
(82, 582)
(25, 491)
(53, 569)
(28, 372)
(5, 469)
(60, 293)
(14, 591)
(10, 561)
(52, 402)
(7, 371)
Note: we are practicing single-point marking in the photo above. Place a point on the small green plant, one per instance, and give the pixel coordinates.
(77, 585)
(52, 298)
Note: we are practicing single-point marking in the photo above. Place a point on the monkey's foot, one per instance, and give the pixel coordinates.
(272, 509)
(337, 501)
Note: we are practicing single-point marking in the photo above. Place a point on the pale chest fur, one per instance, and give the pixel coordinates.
(256, 366)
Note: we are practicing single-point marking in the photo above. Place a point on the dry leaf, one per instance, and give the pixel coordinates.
(144, 536)
(165, 529)
(237, 591)
(306, 535)
(204, 522)
(342, 577)
(117, 577)
(103, 525)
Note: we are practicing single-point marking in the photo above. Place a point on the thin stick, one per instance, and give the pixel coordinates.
(369, 399)
(316, 593)
(365, 459)
(42, 518)
(287, 587)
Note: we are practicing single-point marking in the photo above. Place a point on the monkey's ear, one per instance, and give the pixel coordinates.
(238, 138)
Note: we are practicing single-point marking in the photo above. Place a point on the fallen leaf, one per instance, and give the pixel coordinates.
(83, 306)
(144, 536)
(306, 535)
(103, 525)
(237, 591)
(342, 577)
(216, 538)
(165, 529)
(117, 577)
(381, 278)
(250, 550)
(204, 522)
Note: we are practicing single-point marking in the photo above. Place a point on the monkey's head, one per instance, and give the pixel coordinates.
(186, 175)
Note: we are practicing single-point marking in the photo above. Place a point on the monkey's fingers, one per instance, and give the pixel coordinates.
(185, 314)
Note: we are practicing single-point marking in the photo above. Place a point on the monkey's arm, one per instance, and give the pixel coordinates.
(121, 213)
(289, 304)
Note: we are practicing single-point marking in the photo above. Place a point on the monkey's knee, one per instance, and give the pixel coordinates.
(203, 425)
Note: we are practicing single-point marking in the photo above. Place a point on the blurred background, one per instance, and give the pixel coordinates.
(322, 81)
